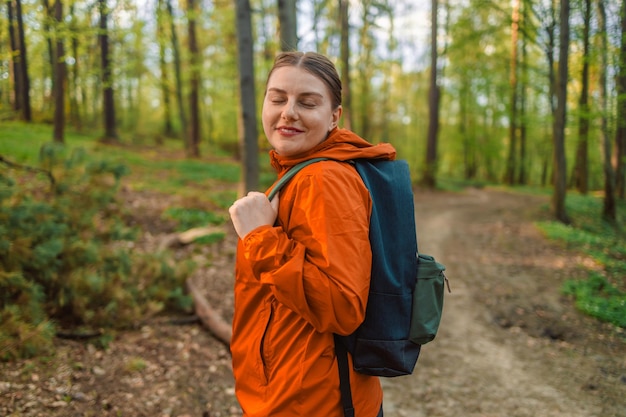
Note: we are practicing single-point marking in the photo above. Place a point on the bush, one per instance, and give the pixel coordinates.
(67, 259)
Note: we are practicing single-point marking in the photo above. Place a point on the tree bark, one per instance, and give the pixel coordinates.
(168, 129)
(509, 177)
(430, 167)
(193, 136)
(247, 117)
(620, 131)
(345, 64)
(560, 169)
(288, 26)
(59, 75)
(110, 132)
(580, 174)
(609, 211)
(177, 68)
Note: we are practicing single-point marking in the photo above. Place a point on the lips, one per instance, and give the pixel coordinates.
(288, 130)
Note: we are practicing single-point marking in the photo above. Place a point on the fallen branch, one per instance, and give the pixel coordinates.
(208, 316)
(28, 168)
(188, 236)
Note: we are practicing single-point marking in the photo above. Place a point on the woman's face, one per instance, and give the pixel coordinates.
(297, 111)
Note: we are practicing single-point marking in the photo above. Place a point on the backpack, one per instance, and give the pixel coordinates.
(405, 301)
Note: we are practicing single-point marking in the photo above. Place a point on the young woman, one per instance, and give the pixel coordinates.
(303, 259)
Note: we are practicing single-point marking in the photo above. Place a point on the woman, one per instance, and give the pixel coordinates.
(303, 259)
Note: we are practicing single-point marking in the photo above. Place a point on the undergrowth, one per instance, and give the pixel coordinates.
(603, 293)
(68, 261)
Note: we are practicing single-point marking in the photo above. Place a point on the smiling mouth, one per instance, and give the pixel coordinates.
(289, 130)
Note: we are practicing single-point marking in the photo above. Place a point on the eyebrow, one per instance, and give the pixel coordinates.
(306, 93)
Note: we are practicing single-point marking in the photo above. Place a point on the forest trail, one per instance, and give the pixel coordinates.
(509, 344)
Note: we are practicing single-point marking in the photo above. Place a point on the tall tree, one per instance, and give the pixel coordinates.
(17, 39)
(580, 176)
(429, 176)
(59, 74)
(511, 165)
(558, 132)
(288, 26)
(345, 63)
(609, 211)
(248, 134)
(620, 131)
(178, 73)
(110, 128)
(193, 136)
(168, 129)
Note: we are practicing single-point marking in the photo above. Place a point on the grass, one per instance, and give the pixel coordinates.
(160, 168)
(603, 293)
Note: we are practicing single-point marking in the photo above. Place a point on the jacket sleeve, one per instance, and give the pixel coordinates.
(317, 261)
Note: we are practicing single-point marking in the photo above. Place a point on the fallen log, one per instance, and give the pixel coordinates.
(208, 316)
(188, 236)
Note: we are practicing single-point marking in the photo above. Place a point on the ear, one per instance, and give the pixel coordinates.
(336, 115)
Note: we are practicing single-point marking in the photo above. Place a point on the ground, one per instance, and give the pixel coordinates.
(510, 345)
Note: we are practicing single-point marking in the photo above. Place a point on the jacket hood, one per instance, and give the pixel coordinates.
(341, 145)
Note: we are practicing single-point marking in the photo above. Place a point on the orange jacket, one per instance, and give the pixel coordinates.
(302, 280)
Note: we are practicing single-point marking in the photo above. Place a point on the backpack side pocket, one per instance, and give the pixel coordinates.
(427, 300)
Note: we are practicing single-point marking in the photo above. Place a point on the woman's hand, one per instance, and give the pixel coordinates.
(252, 211)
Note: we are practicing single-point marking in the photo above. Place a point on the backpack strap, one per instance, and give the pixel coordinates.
(290, 174)
(344, 377)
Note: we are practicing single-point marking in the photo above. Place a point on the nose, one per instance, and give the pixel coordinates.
(289, 111)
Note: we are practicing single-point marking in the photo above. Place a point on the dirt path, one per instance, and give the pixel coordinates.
(509, 344)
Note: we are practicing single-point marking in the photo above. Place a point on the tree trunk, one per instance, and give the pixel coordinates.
(15, 56)
(21, 86)
(59, 75)
(581, 170)
(177, 68)
(522, 175)
(345, 64)
(620, 132)
(247, 119)
(193, 136)
(609, 211)
(74, 88)
(509, 177)
(288, 26)
(168, 129)
(110, 133)
(560, 169)
(430, 168)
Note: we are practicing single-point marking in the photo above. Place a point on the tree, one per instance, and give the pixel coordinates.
(288, 27)
(620, 131)
(509, 177)
(345, 64)
(110, 128)
(558, 133)
(193, 136)
(59, 75)
(608, 210)
(429, 177)
(177, 67)
(580, 176)
(21, 101)
(248, 135)
(168, 129)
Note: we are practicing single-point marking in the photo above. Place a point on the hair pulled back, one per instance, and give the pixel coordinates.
(316, 64)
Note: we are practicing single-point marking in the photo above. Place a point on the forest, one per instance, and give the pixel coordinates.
(128, 127)
(514, 92)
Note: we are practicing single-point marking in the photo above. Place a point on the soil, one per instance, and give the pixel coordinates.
(510, 344)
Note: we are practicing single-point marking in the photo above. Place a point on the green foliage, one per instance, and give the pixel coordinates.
(597, 297)
(602, 294)
(188, 218)
(67, 258)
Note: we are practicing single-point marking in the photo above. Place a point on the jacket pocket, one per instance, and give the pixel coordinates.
(266, 348)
